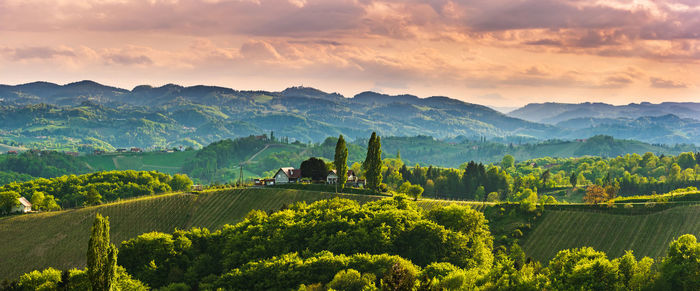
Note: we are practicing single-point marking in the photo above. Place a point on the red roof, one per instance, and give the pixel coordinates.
(291, 173)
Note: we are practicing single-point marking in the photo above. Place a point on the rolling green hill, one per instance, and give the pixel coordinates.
(645, 234)
(5, 148)
(59, 239)
(170, 163)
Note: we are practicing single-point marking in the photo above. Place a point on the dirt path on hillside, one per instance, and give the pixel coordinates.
(250, 160)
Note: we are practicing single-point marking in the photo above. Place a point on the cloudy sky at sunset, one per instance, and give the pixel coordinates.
(496, 52)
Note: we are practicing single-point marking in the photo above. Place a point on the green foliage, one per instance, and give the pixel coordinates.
(372, 167)
(180, 182)
(213, 161)
(101, 256)
(95, 188)
(45, 164)
(394, 226)
(8, 200)
(341, 161)
(314, 168)
(352, 280)
(680, 269)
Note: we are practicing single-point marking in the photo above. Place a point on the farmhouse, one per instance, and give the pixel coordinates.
(332, 177)
(353, 180)
(287, 175)
(24, 206)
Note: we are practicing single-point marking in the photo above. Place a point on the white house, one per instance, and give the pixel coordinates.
(287, 175)
(24, 206)
(332, 178)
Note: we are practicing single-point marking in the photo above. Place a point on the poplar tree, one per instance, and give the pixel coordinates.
(101, 256)
(341, 161)
(373, 162)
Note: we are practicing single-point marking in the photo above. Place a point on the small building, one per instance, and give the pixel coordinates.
(264, 182)
(98, 152)
(121, 150)
(287, 175)
(11, 152)
(332, 177)
(136, 150)
(24, 206)
(196, 188)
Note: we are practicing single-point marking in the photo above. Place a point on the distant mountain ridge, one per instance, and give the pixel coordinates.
(87, 112)
(553, 113)
(201, 114)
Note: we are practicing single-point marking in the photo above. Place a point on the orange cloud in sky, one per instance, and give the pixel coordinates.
(498, 52)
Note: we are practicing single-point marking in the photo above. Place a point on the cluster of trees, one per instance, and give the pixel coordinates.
(44, 164)
(510, 181)
(91, 189)
(397, 227)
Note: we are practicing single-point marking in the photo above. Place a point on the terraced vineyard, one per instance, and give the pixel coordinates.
(647, 235)
(59, 239)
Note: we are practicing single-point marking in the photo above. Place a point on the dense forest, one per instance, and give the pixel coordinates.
(390, 244)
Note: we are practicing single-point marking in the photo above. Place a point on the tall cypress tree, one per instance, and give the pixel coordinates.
(373, 162)
(101, 256)
(341, 161)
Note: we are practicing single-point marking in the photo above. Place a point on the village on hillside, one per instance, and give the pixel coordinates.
(288, 175)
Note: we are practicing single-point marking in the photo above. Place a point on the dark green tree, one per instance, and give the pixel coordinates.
(101, 256)
(314, 168)
(8, 200)
(373, 162)
(573, 179)
(341, 161)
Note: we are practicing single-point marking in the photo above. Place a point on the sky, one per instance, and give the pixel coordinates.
(493, 52)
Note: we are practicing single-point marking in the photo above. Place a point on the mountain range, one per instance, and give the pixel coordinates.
(91, 115)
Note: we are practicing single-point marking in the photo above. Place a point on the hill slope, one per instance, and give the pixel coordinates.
(647, 234)
(171, 115)
(59, 239)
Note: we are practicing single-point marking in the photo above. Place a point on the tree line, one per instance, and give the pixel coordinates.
(89, 189)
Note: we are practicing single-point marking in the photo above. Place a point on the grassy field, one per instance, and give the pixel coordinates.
(59, 239)
(647, 235)
(170, 163)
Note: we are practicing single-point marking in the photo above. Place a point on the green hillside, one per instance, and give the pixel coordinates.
(645, 234)
(170, 163)
(59, 239)
(5, 148)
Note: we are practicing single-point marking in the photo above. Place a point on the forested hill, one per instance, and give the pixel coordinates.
(169, 115)
(87, 115)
